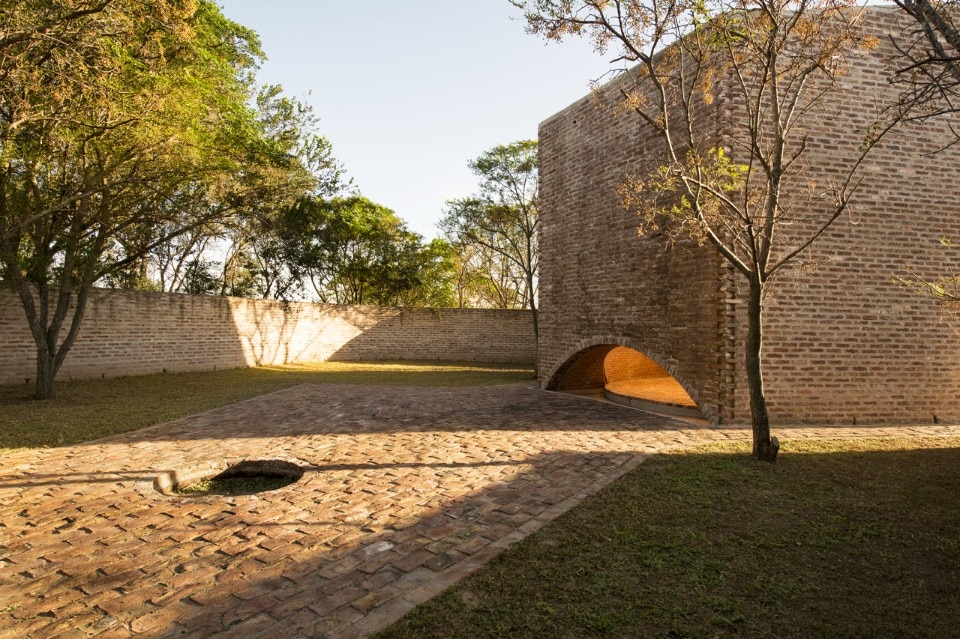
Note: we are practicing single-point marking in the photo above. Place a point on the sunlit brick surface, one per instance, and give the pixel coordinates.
(663, 390)
(406, 490)
(844, 341)
(143, 332)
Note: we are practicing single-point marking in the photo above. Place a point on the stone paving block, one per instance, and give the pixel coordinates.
(340, 567)
(116, 632)
(29, 628)
(382, 615)
(160, 618)
(248, 609)
(342, 597)
(126, 615)
(197, 630)
(292, 627)
(473, 545)
(291, 605)
(340, 621)
(412, 560)
(376, 599)
(343, 582)
(69, 633)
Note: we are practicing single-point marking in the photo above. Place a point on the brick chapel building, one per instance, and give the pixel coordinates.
(844, 341)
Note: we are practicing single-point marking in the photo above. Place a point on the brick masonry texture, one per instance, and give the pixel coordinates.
(844, 341)
(405, 491)
(133, 332)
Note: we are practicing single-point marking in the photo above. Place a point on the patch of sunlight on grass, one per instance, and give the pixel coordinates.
(89, 409)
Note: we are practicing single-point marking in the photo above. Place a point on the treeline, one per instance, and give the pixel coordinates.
(137, 150)
(332, 245)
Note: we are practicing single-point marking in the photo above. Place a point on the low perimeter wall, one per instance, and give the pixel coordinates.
(134, 332)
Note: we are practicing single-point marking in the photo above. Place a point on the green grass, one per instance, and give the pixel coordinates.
(89, 409)
(234, 485)
(837, 539)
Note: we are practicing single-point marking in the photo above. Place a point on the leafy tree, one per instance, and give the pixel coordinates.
(353, 251)
(301, 165)
(291, 160)
(198, 278)
(776, 62)
(495, 231)
(111, 114)
(174, 263)
(484, 279)
(436, 276)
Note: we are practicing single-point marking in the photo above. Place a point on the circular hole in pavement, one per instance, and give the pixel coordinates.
(244, 478)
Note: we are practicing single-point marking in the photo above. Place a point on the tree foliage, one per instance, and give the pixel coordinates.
(354, 251)
(495, 231)
(930, 72)
(302, 165)
(120, 123)
(769, 66)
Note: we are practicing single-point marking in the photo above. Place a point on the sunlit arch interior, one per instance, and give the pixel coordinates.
(625, 376)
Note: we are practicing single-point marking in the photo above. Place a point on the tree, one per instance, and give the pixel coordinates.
(354, 251)
(932, 60)
(495, 231)
(484, 279)
(931, 75)
(112, 115)
(301, 165)
(292, 161)
(436, 276)
(741, 187)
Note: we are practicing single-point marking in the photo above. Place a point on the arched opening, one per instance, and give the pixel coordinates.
(625, 376)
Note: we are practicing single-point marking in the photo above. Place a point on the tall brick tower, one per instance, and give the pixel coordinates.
(844, 341)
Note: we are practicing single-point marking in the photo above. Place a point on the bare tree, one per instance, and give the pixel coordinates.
(931, 69)
(768, 66)
(930, 77)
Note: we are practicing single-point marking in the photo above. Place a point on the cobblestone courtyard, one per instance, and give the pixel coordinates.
(406, 490)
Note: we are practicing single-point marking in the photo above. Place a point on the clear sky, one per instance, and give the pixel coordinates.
(409, 91)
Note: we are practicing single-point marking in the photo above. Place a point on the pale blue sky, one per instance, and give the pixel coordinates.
(409, 91)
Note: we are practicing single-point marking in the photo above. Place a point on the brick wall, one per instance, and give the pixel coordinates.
(132, 332)
(601, 282)
(844, 342)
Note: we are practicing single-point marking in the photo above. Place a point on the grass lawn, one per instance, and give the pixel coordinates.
(89, 409)
(837, 539)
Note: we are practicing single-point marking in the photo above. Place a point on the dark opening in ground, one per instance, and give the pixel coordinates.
(244, 478)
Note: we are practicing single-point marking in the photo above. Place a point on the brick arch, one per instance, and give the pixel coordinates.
(585, 366)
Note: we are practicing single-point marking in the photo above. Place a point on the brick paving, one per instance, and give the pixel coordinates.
(406, 491)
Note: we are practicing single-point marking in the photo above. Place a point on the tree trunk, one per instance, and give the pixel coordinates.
(536, 340)
(46, 327)
(46, 372)
(533, 308)
(535, 316)
(765, 448)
